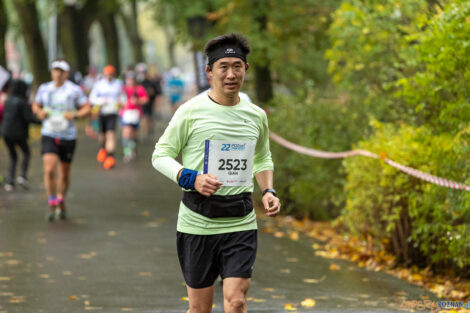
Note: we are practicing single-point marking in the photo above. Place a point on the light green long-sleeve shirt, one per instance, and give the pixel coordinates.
(202, 119)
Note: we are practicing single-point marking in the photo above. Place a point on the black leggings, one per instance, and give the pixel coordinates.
(11, 144)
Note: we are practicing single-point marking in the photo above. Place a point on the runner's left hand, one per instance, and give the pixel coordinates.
(271, 204)
(69, 116)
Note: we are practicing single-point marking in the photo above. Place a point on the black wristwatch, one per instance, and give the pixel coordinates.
(269, 190)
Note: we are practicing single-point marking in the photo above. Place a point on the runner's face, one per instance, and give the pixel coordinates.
(59, 76)
(227, 75)
(130, 81)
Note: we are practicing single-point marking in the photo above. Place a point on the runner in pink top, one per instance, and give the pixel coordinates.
(136, 96)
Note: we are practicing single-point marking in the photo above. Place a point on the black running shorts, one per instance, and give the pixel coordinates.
(108, 122)
(204, 257)
(63, 148)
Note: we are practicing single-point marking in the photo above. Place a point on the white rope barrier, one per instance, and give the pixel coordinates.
(339, 155)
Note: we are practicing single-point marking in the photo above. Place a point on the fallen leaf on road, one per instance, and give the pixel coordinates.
(112, 233)
(268, 289)
(145, 274)
(184, 299)
(285, 271)
(334, 267)
(308, 303)
(145, 213)
(294, 236)
(259, 300)
(73, 297)
(13, 262)
(313, 281)
(290, 307)
(292, 260)
(4, 278)
(279, 234)
(127, 309)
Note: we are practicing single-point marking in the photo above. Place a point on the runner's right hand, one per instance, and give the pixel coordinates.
(207, 184)
(42, 114)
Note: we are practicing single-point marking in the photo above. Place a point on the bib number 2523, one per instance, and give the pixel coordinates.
(230, 161)
(233, 164)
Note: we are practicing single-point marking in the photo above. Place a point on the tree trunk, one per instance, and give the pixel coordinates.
(171, 51)
(74, 28)
(263, 81)
(132, 31)
(3, 32)
(109, 27)
(135, 38)
(28, 19)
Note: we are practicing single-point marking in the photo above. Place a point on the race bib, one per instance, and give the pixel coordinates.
(230, 161)
(131, 116)
(111, 107)
(56, 123)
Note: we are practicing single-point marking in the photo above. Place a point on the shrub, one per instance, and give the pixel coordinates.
(424, 223)
(310, 186)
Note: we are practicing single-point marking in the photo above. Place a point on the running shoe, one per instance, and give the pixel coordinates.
(50, 216)
(102, 154)
(61, 204)
(109, 162)
(9, 187)
(23, 182)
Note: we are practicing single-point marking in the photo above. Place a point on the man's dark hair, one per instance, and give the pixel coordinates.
(228, 39)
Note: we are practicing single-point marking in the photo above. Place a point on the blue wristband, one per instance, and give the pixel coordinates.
(187, 179)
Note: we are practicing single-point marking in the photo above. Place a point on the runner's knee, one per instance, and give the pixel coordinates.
(236, 304)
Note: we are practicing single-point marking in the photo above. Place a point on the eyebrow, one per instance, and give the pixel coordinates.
(228, 63)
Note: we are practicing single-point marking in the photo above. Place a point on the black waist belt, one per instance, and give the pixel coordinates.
(219, 206)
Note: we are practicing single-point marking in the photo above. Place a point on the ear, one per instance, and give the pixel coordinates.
(247, 66)
(208, 69)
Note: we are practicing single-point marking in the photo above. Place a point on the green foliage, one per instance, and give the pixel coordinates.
(372, 47)
(423, 222)
(439, 91)
(310, 186)
(294, 39)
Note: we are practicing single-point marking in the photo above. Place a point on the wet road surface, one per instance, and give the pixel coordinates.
(116, 251)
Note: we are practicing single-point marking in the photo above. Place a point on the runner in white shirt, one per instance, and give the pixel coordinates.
(57, 104)
(106, 95)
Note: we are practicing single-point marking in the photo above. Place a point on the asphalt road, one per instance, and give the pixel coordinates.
(116, 251)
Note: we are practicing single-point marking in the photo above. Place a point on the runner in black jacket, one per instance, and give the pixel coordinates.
(16, 119)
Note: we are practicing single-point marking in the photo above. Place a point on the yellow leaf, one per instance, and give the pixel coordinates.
(279, 234)
(259, 300)
(86, 302)
(145, 213)
(145, 274)
(127, 309)
(294, 236)
(290, 307)
(112, 233)
(184, 299)
(316, 246)
(308, 303)
(268, 289)
(313, 281)
(73, 297)
(417, 277)
(334, 267)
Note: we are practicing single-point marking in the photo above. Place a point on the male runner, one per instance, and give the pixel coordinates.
(106, 94)
(224, 142)
(57, 104)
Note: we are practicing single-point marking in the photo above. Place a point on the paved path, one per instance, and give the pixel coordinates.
(116, 252)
